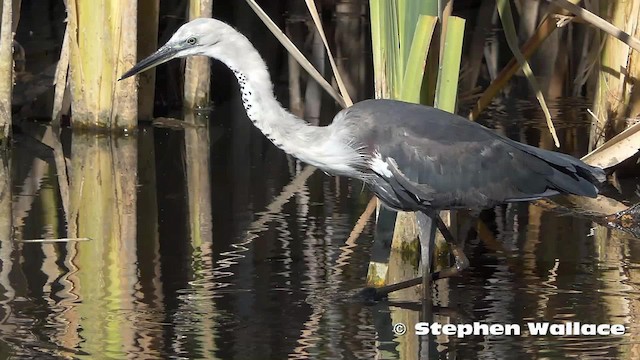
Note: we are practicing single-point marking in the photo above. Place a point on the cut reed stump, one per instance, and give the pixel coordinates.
(6, 68)
(102, 46)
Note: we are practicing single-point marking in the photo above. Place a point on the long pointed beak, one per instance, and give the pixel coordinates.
(162, 55)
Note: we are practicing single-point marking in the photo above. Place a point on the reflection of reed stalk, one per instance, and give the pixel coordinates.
(198, 176)
(6, 248)
(229, 258)
(103, 204)
(350, 243)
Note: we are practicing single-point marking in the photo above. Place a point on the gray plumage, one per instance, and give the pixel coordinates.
(443, 161)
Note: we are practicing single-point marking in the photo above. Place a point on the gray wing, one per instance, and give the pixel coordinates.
(445, 161)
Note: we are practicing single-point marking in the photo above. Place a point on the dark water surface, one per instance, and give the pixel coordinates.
(218, 248)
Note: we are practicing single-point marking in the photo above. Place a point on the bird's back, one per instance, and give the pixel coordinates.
(446, 161)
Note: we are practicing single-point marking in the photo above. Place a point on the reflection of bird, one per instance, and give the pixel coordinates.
(413, 157)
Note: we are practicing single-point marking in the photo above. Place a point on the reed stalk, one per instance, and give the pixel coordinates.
(102, 40)
(148, 18)
(616, 97)
(197, 72)
(60, 95)
(6, 68)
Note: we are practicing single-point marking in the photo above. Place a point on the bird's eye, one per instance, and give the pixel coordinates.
(192, 41)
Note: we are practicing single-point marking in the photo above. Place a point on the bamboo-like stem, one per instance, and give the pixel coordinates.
(148, 18)
(60, 81)
(102, 46)
(616, 98)
(6, 68)
(125, 112)
(197, 72)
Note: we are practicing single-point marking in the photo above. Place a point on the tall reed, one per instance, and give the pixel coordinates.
(6, 67)
(102, 46)
(148, 19)
(197, 73)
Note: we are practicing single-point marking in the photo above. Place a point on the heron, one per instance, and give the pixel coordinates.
(413, 157)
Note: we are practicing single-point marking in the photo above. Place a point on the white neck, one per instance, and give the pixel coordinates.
(328, 148)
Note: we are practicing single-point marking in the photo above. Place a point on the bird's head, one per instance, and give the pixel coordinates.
(203, 36)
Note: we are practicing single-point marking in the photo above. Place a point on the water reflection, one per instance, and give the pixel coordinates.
(207, 242)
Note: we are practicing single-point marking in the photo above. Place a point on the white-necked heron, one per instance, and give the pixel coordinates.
(413, 157)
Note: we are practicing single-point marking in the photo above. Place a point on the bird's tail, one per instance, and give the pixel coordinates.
(571, 175)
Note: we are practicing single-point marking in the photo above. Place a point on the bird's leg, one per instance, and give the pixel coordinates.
(457, 250)
(426, 253)
(427, 236)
